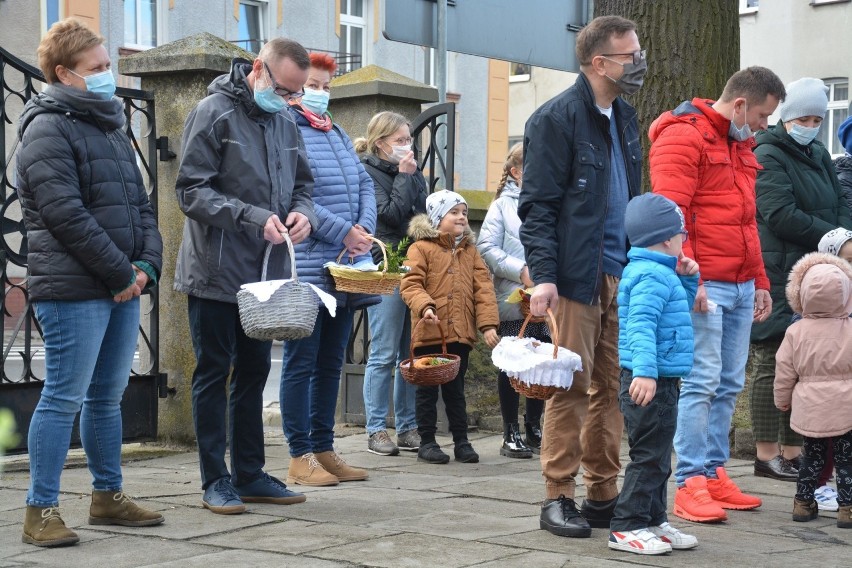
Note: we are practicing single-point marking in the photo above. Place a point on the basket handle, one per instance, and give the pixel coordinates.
(554, 330)
(292, 253)
(381, 246)
(411, 345)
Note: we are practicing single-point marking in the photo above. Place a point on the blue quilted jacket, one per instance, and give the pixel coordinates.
(654, 325)
(343, 196)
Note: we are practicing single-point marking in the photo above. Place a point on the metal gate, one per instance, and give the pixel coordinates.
(434, 141)
(22, 365)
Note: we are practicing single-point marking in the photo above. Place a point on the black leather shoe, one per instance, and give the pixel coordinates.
(777, 468)
(561, 517)
(598, 513)
(432, 453)
(465, 453)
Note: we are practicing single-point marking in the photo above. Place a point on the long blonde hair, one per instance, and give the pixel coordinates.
(381, 125)
(515, 159)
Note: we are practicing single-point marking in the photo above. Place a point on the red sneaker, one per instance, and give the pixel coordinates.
(693, 502)
(728, 496)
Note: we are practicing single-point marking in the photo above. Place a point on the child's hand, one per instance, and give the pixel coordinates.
(642, 390)
(686, 266)
(783, 407)
(430, 316)
(491, 338)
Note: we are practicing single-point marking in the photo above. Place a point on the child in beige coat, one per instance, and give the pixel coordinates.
(813, 375)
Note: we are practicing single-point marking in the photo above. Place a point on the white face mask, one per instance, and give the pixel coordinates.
(399, 152)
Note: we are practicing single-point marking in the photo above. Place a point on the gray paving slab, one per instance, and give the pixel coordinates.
(254, 559)
(460, 524)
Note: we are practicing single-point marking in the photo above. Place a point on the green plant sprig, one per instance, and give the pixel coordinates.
(396, 257)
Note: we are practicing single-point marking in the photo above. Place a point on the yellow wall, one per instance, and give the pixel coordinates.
(498, 121)
(88, 11)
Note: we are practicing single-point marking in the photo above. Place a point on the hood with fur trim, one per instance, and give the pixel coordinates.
(420, 228)
(820, 286)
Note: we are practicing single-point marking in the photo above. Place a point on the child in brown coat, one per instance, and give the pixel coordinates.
(813, 375)
(449, 287)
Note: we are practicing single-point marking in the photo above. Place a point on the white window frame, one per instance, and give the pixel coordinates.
(829, 127)
(746, 9)
(43, 14)
(355, 22)
(264, 20)
(521, 77)
(159, 24)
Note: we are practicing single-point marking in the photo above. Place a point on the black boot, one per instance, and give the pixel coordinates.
(532, 435)
(513, 445)
(598, 513)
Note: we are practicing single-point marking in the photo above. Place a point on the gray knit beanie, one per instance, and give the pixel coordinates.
(651, 219)
(805, 97)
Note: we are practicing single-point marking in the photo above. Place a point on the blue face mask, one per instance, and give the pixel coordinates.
(740, 133)
(101, 84)
(803, 135)
(316, 101)
(267, 100)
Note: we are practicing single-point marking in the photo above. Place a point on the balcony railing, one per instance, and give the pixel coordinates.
(346, 62)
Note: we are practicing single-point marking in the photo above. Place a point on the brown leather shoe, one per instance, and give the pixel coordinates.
(335, 465)
(117, 508)
(844, 517)
(44, 527)
(804, 511)
(307, 470)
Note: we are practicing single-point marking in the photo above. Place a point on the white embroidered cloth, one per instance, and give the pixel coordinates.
(264, 290)
(532, 362)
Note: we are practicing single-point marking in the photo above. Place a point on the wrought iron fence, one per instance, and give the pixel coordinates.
(346, 62)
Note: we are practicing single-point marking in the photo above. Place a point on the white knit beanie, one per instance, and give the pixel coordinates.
(833, 241)
(805, 97)
(439, 203)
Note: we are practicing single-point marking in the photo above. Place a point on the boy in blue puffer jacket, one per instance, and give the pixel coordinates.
(655, 348)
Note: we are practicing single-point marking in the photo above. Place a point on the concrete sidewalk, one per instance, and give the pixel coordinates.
(407, 514)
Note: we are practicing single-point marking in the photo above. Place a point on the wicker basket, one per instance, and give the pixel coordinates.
(541, 392)
(430, 376)
(291, 311)
(377, 282)
(525, 308)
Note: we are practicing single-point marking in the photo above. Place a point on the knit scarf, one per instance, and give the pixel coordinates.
(319, 122)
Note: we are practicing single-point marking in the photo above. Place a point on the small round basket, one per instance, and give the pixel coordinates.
(291, 311)
(540, 392)
(433, 375)
(378, 282)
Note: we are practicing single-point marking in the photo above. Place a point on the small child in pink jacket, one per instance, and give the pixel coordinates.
(813, 374)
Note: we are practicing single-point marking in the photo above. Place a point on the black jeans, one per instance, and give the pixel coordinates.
(426, 410)
(650, 433)
(220, 343)
(814, 454)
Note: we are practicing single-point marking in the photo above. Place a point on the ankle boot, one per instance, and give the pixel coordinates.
(44, 527)
(844, 517)
(116, 508)
(334, 464)
(307, 470)
(513, 445)
(804, 511)
(532, 434)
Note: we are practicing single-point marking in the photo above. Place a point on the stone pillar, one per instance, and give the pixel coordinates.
(357, 96)
(178, 74)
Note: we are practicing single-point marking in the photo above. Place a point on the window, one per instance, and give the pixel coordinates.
(252, 25)
(838, 110)
(748, 6)
(519, 72)
(353, 25)
(140, 23)
(51, 12)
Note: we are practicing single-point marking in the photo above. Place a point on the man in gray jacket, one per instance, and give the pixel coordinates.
(243, 170)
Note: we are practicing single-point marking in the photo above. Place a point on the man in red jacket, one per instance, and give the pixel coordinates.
(701, 158)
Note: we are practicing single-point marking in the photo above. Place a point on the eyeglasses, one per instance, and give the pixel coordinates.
(638, 56)
(285, 94)
(401, 141)
(685, 235)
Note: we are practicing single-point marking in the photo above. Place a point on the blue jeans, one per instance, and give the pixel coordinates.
(310, 379)
(88, 347)
(390, 329)
(709, 393)
(220, 344)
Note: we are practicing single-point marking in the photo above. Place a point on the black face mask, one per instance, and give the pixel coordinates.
(632, 78)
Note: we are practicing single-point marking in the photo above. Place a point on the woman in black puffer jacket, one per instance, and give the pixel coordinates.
(93, 247)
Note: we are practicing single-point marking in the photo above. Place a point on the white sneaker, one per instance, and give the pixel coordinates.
(678, 540)
(641, 541)
(826, 498)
